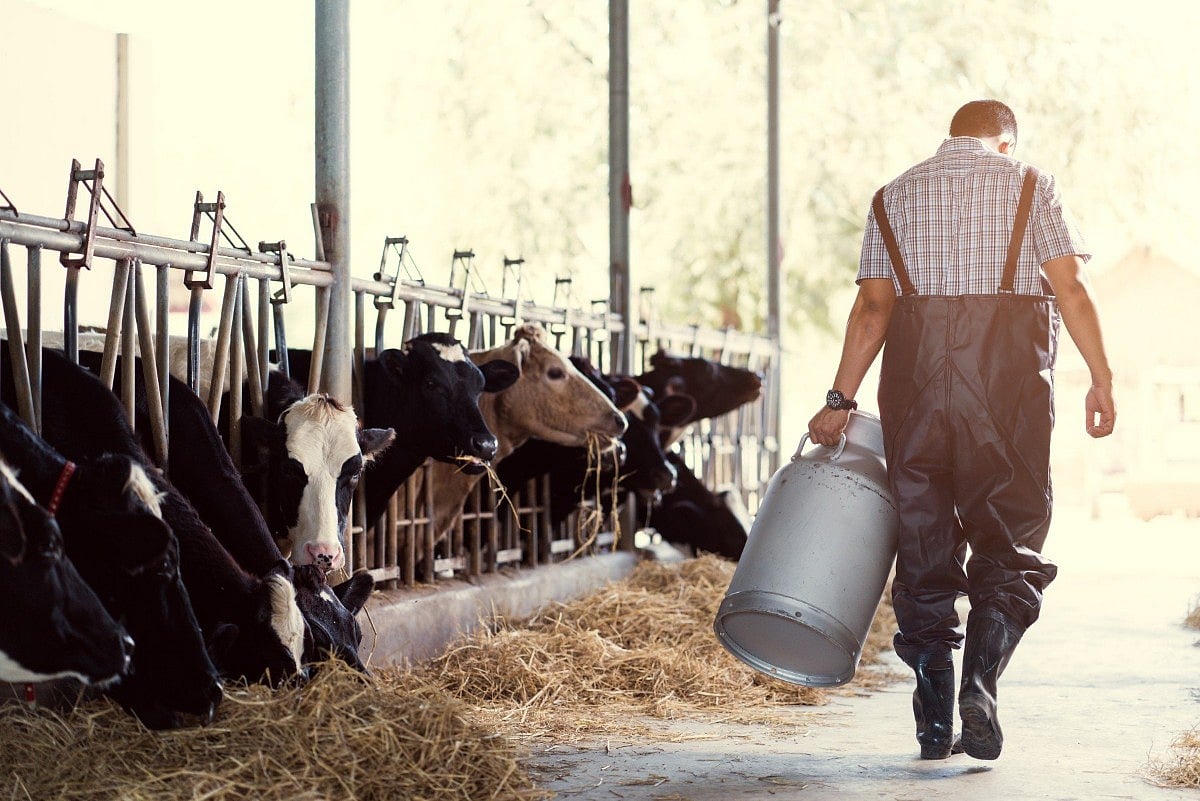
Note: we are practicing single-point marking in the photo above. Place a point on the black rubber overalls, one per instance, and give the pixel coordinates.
(966, 401)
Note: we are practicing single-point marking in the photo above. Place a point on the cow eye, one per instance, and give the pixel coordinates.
(556, 373)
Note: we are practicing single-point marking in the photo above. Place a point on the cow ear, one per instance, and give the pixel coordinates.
(282, 391)
(282, 567)
(675, 410)
(661, 359)
(221, 641)
(393, 362)
(354, 592)
(373, 441)
(627, 391)
(499, 374)
(258, 429)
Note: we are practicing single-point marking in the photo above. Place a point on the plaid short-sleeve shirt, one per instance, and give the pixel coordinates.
(953, 215)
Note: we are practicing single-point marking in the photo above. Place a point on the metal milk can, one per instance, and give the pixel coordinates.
(805, 591)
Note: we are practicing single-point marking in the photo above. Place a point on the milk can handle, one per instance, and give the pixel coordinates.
(837, 452)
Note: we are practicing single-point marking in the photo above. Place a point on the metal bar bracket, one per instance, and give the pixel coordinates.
(101, 201)
(284, 293)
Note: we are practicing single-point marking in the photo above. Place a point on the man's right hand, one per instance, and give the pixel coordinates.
(827, 426)
(1101, 411)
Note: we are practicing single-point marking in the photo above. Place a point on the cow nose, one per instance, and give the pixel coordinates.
(484, 447)
(324, 555)
(665, 479)
(127, 646)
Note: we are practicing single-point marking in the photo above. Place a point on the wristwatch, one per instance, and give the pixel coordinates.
(836, 400)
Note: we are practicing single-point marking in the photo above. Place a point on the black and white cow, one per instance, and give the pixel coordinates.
(111, 521)
(716, 388)
(316, 454)
(252, 623)
(428, 391)
(201, 468)
(693, 515)
(52, 625)
(333, 627)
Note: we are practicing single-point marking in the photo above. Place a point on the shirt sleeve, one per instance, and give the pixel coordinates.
(1055, 233)
(873, 262)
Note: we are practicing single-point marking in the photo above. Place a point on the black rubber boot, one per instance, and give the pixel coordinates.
(933, 704)
(991, 640)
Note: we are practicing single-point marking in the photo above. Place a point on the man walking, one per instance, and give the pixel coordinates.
(968, 261)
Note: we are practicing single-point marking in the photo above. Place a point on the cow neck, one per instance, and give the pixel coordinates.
(60, 487)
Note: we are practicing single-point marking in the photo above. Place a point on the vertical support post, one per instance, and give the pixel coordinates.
(122, 193)
(16, 349)
(33, 343)
(620, 201)
(774, 243)
(332, 149)
(620, 192)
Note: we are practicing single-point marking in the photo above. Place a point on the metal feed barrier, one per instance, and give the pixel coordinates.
(738, 451)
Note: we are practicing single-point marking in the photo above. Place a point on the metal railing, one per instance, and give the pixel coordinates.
(737, 451)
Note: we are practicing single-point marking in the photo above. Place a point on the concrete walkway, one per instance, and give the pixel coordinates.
(1100, 686)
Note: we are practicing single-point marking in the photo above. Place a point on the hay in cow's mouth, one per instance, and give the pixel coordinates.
(342, 737)
(470, 465)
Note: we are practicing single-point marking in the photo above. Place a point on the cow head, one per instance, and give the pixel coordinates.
(111, 519)
(330, 613)
(268, 642)
(317, 455)
(53, 626)
(716, 388)
(435, 399)
(552, 399)
(646, 469)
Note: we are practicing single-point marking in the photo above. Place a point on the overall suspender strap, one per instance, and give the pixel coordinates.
(889, 241)
(1018, 233)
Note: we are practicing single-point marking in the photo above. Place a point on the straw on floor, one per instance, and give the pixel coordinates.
(343, 737)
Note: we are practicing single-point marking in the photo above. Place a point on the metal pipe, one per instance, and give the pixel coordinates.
(16, 349)
(263, 339)
(150, 374)
(116, 314)
(178, 253)
(250, 349)
(70, 313)
(620, 192)
(236, 372)
(33, 344)
(128, 343)
(332, 174)
(155, 244)
(122, 193)
(162, 339)
(773, 234)
(281, 353)
(320, 334)
(221, 352)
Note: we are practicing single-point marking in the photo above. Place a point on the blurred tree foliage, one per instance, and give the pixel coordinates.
(868, 88)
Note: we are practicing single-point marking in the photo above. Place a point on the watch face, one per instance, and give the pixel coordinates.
(834, 399)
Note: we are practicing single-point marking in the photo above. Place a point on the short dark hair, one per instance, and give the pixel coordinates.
(983, 118)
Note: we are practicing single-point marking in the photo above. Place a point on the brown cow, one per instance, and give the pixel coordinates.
(551, 400)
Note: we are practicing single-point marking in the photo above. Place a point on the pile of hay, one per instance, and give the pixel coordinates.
(1183, 770)
(343, 736)
(639, 647)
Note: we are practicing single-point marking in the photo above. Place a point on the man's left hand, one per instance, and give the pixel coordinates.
(827, 426)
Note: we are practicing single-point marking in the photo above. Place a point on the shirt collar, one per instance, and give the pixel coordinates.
(962, 144)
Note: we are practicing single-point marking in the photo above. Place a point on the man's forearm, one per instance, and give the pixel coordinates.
(1083, 324)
